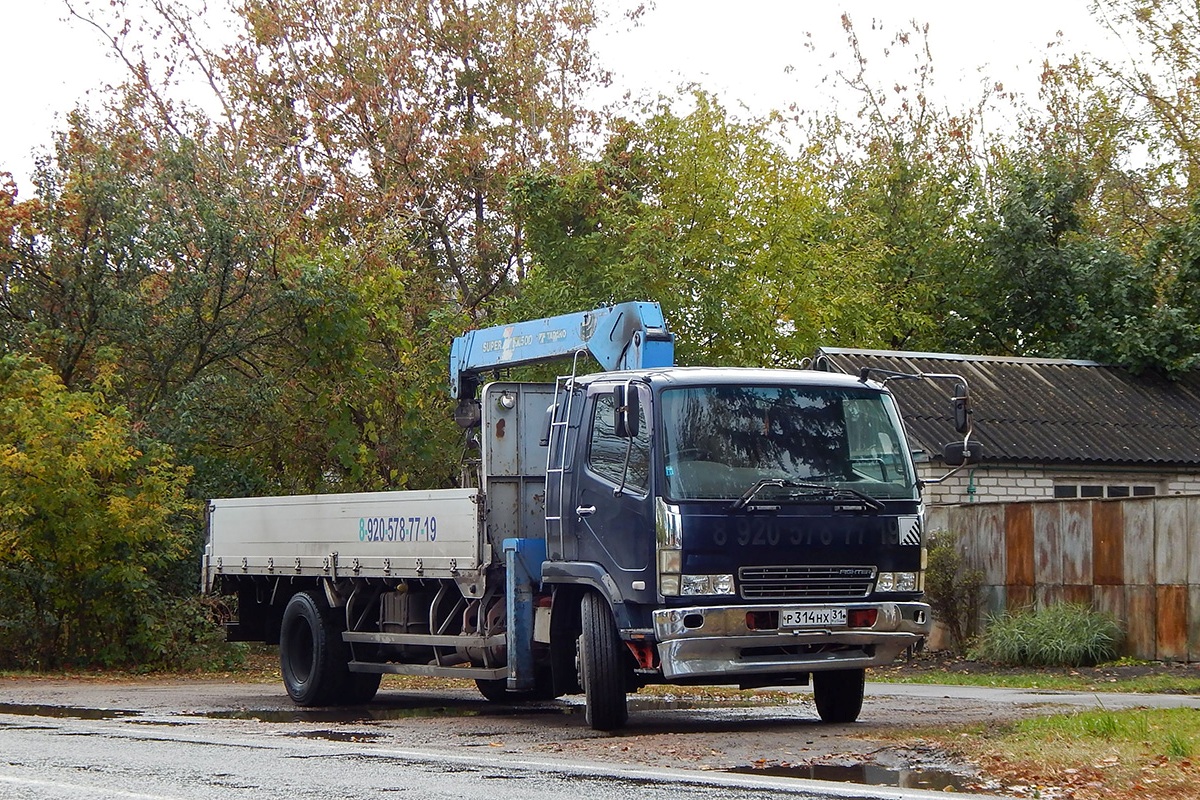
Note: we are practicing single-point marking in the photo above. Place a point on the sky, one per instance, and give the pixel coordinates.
(749, 52)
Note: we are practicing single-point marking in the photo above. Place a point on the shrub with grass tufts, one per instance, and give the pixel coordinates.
(1062, 635)
(953, 589)
(1178, 746)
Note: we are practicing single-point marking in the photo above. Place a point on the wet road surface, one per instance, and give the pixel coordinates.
(200, 739)
(123, 757)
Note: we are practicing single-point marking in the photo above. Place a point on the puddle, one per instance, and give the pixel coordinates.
(339, 715)
(385, 714)
(339, 736)
(377, 712)
(673, 703)
(868, 774)
(65, 712)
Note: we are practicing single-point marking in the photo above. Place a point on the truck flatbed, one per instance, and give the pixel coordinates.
(432, 534)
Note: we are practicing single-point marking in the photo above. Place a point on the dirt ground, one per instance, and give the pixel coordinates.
(692, 728)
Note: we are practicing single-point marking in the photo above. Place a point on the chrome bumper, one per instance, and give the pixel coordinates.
(717, 641)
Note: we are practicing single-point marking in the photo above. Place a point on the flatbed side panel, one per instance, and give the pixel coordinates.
(433, 534)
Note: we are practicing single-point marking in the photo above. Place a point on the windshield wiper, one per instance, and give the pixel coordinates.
(817, 489)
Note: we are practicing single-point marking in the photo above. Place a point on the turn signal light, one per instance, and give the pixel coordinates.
(762, 620)
(862, 617)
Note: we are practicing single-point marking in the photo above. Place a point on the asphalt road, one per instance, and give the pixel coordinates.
(190, 740)
(118, 757)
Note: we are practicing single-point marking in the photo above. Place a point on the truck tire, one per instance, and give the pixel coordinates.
(839, 694)
(497, 690)
(312, 655)
(602, 666)
(359, 688)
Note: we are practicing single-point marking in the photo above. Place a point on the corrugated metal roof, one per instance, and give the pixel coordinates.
(1044, 410)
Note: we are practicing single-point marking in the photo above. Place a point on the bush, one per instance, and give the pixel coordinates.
(184, 634)
(90, 514)
(1062, 635)
(952, 590)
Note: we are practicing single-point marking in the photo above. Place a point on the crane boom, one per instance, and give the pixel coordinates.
(624, 336)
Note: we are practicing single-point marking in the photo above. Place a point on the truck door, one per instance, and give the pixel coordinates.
(613, 513)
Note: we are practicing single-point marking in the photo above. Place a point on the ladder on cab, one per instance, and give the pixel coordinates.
(556, 458)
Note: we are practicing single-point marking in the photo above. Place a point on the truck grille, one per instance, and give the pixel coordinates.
(802, 583)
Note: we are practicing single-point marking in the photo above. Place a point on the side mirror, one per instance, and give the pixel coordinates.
(548, 424)
(960, 407)
(957, 454)
(625, 411)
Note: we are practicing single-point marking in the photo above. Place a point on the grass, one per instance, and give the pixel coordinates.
(1153, 683)
(1122, 675)
(1089, 755)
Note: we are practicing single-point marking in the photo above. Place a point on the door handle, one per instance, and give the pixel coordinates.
(585, 511)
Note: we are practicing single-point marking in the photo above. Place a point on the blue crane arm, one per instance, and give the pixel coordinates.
(624, 336)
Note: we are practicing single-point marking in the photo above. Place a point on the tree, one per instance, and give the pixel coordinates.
(1056, 289)
(1089, 127)
(90, 516)
(353, 179)
(1163, 77)
(400, 118)
(705, 213)
(907, 183)
(1167, 337)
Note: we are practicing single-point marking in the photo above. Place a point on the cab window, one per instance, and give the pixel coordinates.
(606, 454)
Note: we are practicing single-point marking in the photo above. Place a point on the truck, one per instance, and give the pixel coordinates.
(644, 523)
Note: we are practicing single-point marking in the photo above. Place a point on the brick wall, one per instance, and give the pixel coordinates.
(989, 483)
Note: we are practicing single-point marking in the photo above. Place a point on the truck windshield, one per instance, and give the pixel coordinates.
(719, 441)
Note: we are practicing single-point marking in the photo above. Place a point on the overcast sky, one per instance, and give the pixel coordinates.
(747, 51)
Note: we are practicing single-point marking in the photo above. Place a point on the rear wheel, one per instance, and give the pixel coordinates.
(497, 690)
(359, 687)
(839, 694)
(602, 666)
(312, 656)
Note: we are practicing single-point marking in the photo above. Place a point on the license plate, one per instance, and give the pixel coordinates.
(816, 617)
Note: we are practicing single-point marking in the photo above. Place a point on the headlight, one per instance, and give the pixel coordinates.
(670, 561)
(706, 584)
(722, 584)
(669, 585)
(898, 582)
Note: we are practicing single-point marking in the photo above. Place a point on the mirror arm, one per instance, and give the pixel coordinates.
(620, 490)
(935, 481)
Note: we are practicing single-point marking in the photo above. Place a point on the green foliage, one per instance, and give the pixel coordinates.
(704, 213)
(1179, 745)
(1050, 286)
(89, 518)
(1171, 732)
(1064, 634)
(1168, 336)
(952, 589)
(181, 634)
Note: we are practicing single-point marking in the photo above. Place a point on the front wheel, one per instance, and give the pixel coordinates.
(602, 667)
(839, 694)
